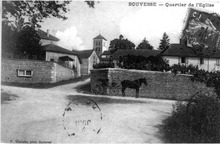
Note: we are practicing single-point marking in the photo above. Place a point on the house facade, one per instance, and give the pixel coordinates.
(105, 57)
(89, 58)
(63, 57)
(181, 54)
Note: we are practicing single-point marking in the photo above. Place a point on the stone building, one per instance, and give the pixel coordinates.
(58, 64)
(69, 59)
(89, 58)
(184, 55)
(99, 44)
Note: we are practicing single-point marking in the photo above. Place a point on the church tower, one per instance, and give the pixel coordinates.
(99, 44)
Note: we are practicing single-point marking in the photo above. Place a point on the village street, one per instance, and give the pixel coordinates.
(36, 116)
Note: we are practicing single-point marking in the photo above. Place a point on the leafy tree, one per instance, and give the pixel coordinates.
(120, 43)
(164, 42)
(19, 17)
(28, 42)
(8, 40)
(19, 13)
(145, 45)
(31, 12)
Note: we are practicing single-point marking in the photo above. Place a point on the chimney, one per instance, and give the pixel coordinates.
(48, 32)
(183, 41)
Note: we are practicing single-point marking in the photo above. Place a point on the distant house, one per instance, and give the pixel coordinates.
(136, 52)
(105, 57)
(89, 58)
(63, 56)
(47, 38)
(181, 54)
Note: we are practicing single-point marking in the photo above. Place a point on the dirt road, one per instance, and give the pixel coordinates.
(37, 116)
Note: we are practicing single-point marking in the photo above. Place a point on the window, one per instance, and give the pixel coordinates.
(183, 59)
(25, 73)
(94, 60)
(103, 56)
(201, 61)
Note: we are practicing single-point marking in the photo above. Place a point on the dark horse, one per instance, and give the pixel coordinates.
(133, 84)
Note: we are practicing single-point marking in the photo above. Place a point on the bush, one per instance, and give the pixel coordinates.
(177, 68)
(154, 63)
(103, 65)
(197, 121)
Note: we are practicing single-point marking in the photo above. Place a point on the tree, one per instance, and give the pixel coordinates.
(19, 17)
(164, 42)
(153, 63)
(31, 12)
(28, 42)
(145, 45)
(8, 40)
(120, 43)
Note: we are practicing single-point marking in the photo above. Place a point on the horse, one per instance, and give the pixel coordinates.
(133, 84)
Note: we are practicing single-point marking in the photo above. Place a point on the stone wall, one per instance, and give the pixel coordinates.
(84, 66)
(62, 73)
(43, 71)
(160, 84)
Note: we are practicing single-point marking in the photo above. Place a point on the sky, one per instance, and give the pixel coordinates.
(112, 18)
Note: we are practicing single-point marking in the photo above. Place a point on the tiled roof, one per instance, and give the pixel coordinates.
(85, 53)
(100, 37)
(136, 52)
(43, 35)
(179, 50)
(184, 51)
(106, 53)
(58, 49)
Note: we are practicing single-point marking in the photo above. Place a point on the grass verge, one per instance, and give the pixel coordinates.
(46, 85)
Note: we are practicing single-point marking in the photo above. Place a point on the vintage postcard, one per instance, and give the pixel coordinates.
(110, 71)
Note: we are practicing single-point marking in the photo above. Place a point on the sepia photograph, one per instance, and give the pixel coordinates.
(76, 71)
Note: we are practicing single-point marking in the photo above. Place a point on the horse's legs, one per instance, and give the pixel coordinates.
(137, 92)
(123, 91)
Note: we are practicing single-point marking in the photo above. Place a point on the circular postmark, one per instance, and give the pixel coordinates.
(82, 115)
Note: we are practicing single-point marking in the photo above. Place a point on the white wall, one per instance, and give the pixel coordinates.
(55, 56)
(93, 58)
(209, 63)
(46, 42)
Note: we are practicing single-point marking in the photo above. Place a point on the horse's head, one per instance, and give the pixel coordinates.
(143, 80)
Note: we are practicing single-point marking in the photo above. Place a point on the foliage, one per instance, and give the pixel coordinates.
(28, 42)
(22, 12)
(183, 69)
(16, 12)
(153, 63)
(211, 79)
(196, 121)
(8, 39)
(91, 3)
(103, 65)
(120, 43)
(144, 45)
(164, 42)
(17, 16)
